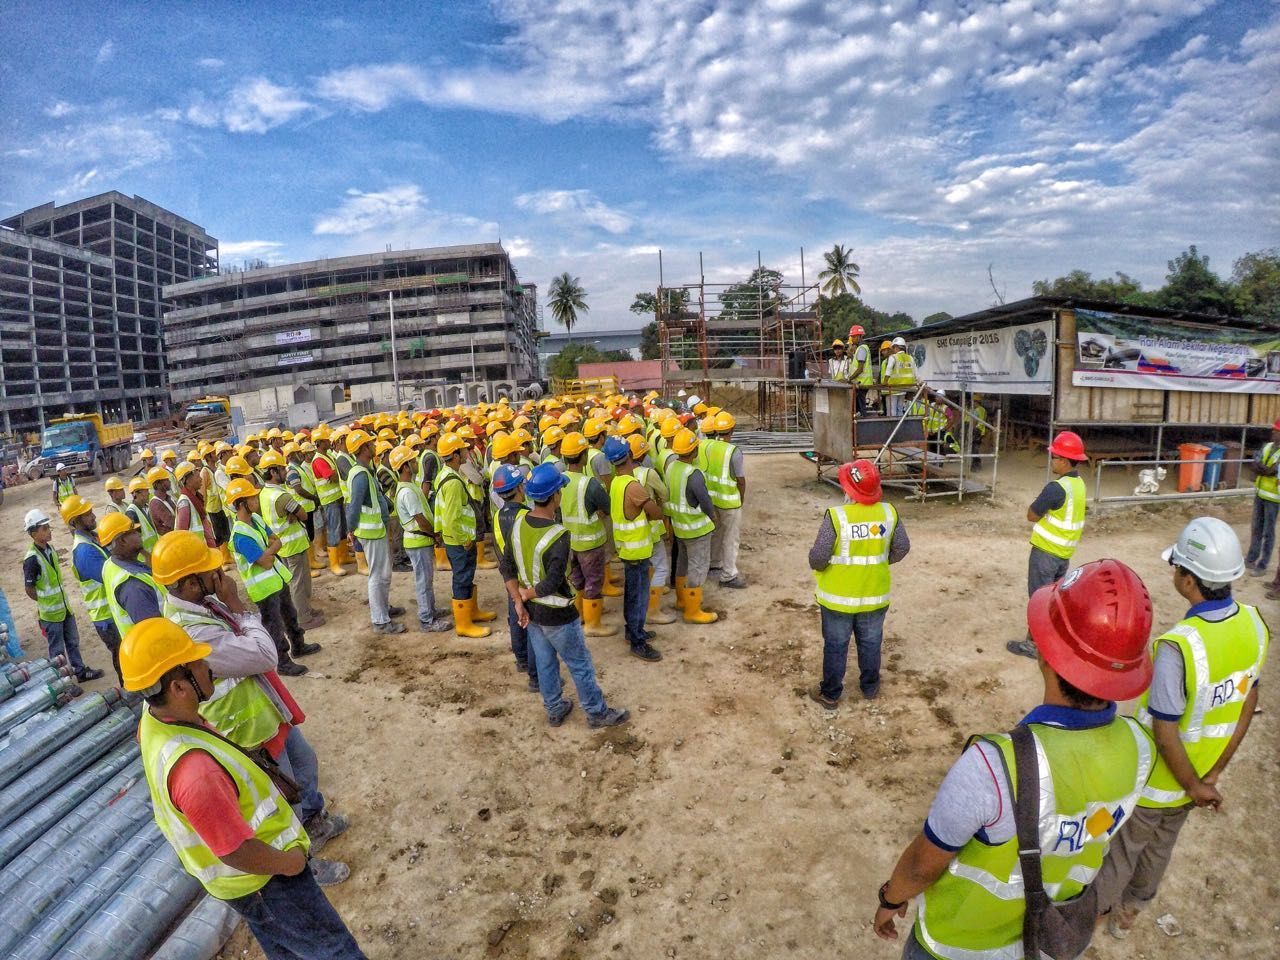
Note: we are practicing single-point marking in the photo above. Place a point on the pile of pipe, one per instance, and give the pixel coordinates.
(84, 871)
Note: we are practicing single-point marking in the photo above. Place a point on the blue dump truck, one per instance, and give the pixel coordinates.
(86, 445)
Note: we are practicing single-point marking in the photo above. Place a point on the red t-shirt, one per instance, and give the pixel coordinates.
(207, 796)
(320, 466)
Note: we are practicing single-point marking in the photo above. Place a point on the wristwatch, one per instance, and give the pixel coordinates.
(885, 904)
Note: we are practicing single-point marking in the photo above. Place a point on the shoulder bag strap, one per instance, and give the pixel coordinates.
(1026, 811)
(287, 786)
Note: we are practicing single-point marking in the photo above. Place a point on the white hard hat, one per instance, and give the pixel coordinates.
(61, 467)
(1210, 549)
(899, 342)
(34, 518)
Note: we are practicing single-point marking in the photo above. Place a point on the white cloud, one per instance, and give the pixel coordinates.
(518, 246)
(105, 52)
(211, 63)
(249, 249)
(254, 105)
(99, 149)
(576, 207)
(374, 87)
(399, 216)
(59, 110)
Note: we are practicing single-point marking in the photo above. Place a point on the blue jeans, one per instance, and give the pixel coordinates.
(335, 523)
(292, 919)
(550, 646)
(867, 629)
(635, 598)
(463, 562)
(64, 639)
(1262, 533)
(299, 761)
(520, 643)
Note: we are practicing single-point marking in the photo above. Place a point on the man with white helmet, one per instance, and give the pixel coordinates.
(1203, 693)
(42, 577)
(899, 375)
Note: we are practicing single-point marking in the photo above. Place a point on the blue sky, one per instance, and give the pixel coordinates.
(933, 138)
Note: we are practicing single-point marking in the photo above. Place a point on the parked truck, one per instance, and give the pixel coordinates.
(85, 444)
(206, 408)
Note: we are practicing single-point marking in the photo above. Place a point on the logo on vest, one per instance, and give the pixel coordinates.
(1227, 691)
(868, 531)
(1075, 832)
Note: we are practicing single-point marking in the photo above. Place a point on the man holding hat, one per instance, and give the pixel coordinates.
(42, 578)
(87, 558)
(856, 543)
(1090, 634)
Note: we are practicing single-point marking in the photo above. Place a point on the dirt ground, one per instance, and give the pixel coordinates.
(732, 817)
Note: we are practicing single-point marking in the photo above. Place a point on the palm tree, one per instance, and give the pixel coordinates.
(841, 273)
(566, 298)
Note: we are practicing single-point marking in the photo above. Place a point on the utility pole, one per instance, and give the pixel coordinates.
(395, 368)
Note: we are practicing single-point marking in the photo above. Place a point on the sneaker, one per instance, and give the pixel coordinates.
(612, 717)
(329, 873)
(313, 622)
(323, 827)
(389, 627)
(1257, 571)
(290, 669)
(556, 719)
(305, 649)
(713, 573)
(736, 583)
(532, 686)
(396, 611)
(88, 673)
(648, 634)
(1023, 648)
(438, 625)
(646, 652)
(820, 698)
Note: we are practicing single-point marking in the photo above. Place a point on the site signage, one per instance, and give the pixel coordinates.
(289, 337)
(291, 359)
(1005, 360)
(1119, 350)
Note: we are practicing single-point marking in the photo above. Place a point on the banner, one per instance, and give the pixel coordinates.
(292, 336)
(1008, 360)
(1118, 350)
(289, 359)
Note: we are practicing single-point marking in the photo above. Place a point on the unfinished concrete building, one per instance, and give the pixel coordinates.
(80, 310)
(461, 315)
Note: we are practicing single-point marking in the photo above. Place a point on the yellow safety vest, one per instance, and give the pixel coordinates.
(51, 602)
(529, 545)
(1058, 532)
(857, 579)
(1268, 488)
(586, 530)
(633, 538)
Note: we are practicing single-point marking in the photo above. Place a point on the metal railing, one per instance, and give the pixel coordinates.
(1171, 478)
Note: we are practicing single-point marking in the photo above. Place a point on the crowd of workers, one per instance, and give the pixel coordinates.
(556, 494)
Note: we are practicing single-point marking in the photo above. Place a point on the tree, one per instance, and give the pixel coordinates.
(841, 312)
(755, 298)
(567, 299)
(677, 302)
(1191, 285)
(841, 273)
(936, 318)
(1256, 281)
(1080, 284)
(564, 365)
(650, 343)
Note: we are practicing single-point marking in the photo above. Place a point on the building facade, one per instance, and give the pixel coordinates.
(461, 315)
(80, 307)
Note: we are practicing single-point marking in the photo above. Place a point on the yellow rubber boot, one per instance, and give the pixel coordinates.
(362, 565)
(478, 615)
(317, 552)
(577, 603)
(335, 562)
(656, 614)
(612, 588)
(482, 557)
(442, 559)
(693, 612)
(462, 624)
(682, 593)
(592, 612)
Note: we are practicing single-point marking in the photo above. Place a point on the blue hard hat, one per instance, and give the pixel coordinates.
(616, 450)
(544, 482)
(507, 479)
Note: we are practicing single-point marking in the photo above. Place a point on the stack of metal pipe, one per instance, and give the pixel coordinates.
(84, 872)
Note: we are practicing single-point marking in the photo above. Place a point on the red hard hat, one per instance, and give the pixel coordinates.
(1092, 628)
(861, 481)
(1068, 445)
(1276, 425)
(857, 331)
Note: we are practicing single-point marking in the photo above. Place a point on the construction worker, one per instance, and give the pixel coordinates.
(169, 463)
(533, 568)
(223, 452)
(552, 438)
(632, 511)
(455, 524)
(190, 513)
(64, 485)
(116, 498)
(1266, 503)
(861, 374)
(139, 511)
(286, 518)
(301, 482)
(659, 530)
(146, 460)
(838, 365)
(721, 462)
(132, 594)
(1091, 632)
(324, 467)
(250, 705)
(386, 478)
(212, 493)
(898, 374)
(419, 538)
(161, 506)
(1058, 515)
(367, 517)
(218, 806)
(977, 432)
(691, 511)
(42, 578)
(266, 579)
(1203, 694)
(508, 483)
(856, 543)
(584, 508)
(87, 558)
(596, 433)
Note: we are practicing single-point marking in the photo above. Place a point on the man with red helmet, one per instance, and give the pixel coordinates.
(1090, 633)
(856, 543)
(1058, 515)
(860, 373)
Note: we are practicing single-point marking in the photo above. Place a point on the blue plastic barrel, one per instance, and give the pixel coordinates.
(1213, 466)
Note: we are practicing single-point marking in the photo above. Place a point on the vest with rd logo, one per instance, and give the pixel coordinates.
(857, 579)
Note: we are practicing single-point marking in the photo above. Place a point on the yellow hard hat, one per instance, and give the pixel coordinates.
(552, 435)
(184, 470)
(699, 408)
(147, 455)
(686, 441)
(569, 418)
(381, 447)
(273, 433)
(245, 449)
(725, 421)
(628, 425)
(114, 483)
(238, 489)
(386, 433)
(411, 441)
(139, 484)
(639, 446)
(545, 422)
(670, 427)
(322, 432)
(520, 421)
(504, 446)
(272, 458)
(594, 427)
(181, 553)
(400, 456)
(357, 439)
(112, 525)
(237, 466)
(193, 456)
(651, 396)
(450, 444)
(156, 474)
(169, 455)
(222, 447)
(886, 345)
(493, 427)
(291, 448)
(708, 425)
(465, 432)
(152, 648)
(74, 506)
(573, 444)
(204, 448)
(523, 436)
(308, 447)
(286, 435)
(837, 343)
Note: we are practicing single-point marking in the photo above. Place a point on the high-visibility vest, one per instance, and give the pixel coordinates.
(1059, 531)
(428, 455)
(1090, 781)
(327, 488)
(867, 377)
(657, 529)
(1268, 488)
(687, 521)
(451, 490)
(142, 517)
(292, 534)
(586, 530)
(500, 541)
(193, 516)
(259, 582)
(838, 369)
(113, 575)
(95, 594)
(633, 538)
(51, 601)
(64, 488)
(980, 424)
(721, 483)
(900, 370)
(167, 502)
(1221, 661)
(301, 474)
(344, 482)
(857, 578)
(529, 545)
(594, 454)
(212, 492)
(371, 526)
(413, 536)
(261, 805)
